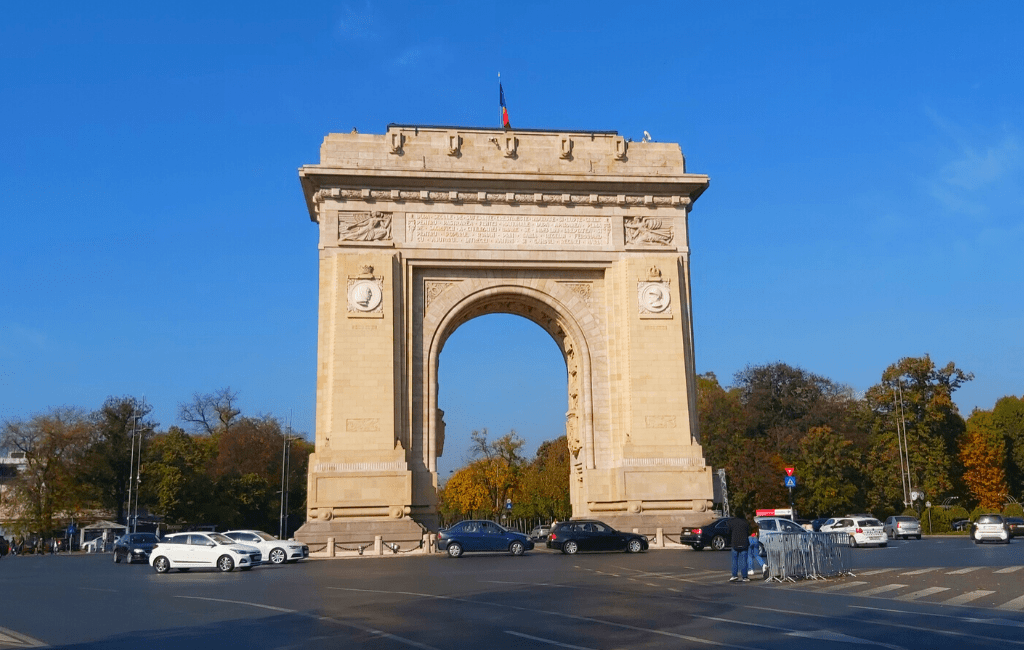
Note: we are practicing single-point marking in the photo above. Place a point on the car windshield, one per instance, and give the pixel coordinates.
(906, 519)
(221, 539)
(266, 537)
(990, 519)
(143, 538)
(869, 522)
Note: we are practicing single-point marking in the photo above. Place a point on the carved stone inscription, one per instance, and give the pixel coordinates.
(516, 230)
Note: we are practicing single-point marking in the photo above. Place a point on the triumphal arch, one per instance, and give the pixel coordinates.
(583, 232)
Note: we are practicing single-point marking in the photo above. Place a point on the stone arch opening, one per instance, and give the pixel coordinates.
(554, 317)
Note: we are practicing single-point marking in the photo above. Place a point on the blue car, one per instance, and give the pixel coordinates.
(480, 535)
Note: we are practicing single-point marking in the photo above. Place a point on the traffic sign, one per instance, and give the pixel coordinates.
(790, 470)
(791, 481)
(508, 504)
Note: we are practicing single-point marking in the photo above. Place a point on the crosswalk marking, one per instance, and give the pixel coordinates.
(960, 571)
(874, 572)
(843, 585)
(968, 597)
(922, 593)
(919, 571)
(1009, 569)
(1016, 605)
(879, 590)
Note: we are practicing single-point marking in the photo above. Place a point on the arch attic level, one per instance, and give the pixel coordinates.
(423, 228)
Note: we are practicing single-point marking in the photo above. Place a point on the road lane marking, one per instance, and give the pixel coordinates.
(920, 571)
(875, 572)
(547, 641)
(1009, 569)
(12, 639)
(914, 595)
(326, 619)
(962, 571)
(966, 598)
(1016, 605)
(966, 619)
(927, 630)
(574, 617)
(824, 635)
(879, 590)
(241, 602)
(841, 585)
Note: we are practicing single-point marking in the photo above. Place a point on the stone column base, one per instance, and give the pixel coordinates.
(649, 523)
(355, 532)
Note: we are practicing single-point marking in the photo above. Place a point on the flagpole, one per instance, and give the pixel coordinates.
(501, 115)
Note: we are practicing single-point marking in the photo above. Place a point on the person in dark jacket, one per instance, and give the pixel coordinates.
(739, 530)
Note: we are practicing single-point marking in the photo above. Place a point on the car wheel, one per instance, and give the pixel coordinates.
(634, 546)
(278, 556)
(516, 548)
(225, 563)
(117, 558)
(718, 543)
(853, 542)
(454, 549)
(162, 565)
(697, 547)
(570, 547)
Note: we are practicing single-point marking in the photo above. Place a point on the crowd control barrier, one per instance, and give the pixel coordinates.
(797, 556)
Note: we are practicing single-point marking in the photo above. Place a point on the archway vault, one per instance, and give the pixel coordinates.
(567, 230)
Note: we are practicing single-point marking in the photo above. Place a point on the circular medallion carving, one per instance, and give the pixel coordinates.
(364, 295)
(655, 298)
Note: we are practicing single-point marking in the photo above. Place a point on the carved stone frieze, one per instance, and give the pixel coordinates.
(364, 226)
(456, 196)
(434, 288)
(366, 295)
(648, 231)
(654, 298)
(582, 289)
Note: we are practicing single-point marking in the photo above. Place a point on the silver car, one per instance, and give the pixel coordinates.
(897, 527)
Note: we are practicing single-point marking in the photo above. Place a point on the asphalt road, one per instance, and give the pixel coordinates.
(934, 593)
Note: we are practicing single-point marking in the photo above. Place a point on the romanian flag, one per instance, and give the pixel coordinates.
(504, 111)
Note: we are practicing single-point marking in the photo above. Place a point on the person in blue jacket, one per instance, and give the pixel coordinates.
(754, 554)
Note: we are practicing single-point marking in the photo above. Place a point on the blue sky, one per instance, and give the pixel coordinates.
(866, 164)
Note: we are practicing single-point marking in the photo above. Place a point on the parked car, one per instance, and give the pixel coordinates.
(592, 535)
(990, 527)
(134, 547)
(275, 550)
(1015, 525)
(816, 524)
(540, 533)
(481, 535)
(184, 551)
(863, 531)
(897, 527)
(715, 535)
(960, 524)
(779, 526)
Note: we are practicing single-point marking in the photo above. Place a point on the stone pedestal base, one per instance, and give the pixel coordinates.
(355, 532)
(648, 524)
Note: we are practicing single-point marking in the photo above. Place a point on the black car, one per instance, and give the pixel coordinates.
(134, 547)
(715, 535)
(481, 535)
(1015, 525)
(591, 535)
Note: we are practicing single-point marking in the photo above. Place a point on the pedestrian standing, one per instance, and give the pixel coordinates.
(740, 533)
(754, 553)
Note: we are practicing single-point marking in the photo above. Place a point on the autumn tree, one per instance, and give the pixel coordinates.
(830, 472)
(53, 444)
(1008, 420)
(915, 391)
(983, 454)
(501, 465)
(545, 485)
(178, 484)
(210, 412)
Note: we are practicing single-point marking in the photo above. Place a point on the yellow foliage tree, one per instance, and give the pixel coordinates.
(983, 454)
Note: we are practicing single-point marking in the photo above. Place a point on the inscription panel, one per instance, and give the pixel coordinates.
(508, 230)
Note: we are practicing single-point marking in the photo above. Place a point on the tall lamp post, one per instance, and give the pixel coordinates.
(286, 459)
(131, 469)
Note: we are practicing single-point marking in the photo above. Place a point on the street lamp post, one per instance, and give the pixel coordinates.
(286, 460)
(131, 468)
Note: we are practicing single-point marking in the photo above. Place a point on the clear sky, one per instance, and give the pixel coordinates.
(866, 164)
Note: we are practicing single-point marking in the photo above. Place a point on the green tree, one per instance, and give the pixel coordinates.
(916, 390)
(120, 431)
(45, 488)
(545, 487)
(1008, 418)
(178, 482)
(501, 465)
(829, 469)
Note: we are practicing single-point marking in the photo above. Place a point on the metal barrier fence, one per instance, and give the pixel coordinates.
(796, 556)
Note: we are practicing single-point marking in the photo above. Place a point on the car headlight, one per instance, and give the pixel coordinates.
(239, 551)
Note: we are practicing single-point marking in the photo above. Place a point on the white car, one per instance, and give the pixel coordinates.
(277, 551)
(863, 531)
(184, 551)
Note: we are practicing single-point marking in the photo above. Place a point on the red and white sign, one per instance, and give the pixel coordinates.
(790, 470)
(774, 512)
